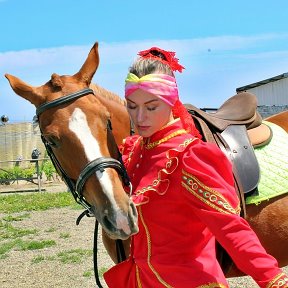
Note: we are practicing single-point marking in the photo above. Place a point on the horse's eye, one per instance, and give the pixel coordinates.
(52, 141)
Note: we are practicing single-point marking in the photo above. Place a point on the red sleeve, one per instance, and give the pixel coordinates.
(208, 179)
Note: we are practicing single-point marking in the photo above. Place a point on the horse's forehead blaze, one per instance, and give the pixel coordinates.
(79, 126)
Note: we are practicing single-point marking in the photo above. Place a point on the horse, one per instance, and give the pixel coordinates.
(279, 119)
(78, 126)
(76, 130)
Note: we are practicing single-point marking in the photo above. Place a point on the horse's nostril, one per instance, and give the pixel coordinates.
(107, 223)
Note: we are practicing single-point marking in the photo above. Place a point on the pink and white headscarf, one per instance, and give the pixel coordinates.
(161, 85)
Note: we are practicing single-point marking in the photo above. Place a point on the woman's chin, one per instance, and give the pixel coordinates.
(144, 132)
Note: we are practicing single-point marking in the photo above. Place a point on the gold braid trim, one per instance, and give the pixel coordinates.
(167, 168)
(132, 150)
(280, 281)
(207, 195)
(138, 277)
(168, 137)
(149, 252)
(165, 284)
(213, 285)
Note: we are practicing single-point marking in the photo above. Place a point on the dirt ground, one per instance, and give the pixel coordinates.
(19, 271)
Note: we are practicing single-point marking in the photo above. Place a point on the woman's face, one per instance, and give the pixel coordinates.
(148, 113)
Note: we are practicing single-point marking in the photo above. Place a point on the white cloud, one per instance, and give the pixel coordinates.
(215, 67)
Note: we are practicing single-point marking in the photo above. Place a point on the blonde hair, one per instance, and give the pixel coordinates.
(144, 66)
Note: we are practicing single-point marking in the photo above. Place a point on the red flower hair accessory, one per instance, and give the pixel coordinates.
(166, 57)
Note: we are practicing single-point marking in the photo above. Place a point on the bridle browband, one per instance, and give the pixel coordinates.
(99, 164)
(68, 98)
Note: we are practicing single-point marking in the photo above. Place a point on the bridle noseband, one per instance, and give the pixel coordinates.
(99, 164)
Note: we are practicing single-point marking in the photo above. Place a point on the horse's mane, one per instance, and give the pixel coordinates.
(98, 90)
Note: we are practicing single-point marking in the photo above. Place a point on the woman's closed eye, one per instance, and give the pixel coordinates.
(132, 107)
(152, 108)
(149, 108)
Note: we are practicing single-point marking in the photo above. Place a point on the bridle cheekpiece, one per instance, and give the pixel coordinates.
(99, 164)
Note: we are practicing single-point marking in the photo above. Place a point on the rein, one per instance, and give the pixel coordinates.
(98, 164)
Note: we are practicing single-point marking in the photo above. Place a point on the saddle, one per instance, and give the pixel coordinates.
(237, 128)
(240, 109)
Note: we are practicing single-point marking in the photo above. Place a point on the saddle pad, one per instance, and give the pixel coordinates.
(273, 162)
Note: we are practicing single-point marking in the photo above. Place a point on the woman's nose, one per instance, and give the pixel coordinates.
(141, 115)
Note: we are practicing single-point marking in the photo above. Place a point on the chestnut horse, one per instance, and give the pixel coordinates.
(76, 130)
(79, 126)
(280, 119)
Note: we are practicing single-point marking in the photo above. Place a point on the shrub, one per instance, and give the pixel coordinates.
(16, 173)
(48, 169)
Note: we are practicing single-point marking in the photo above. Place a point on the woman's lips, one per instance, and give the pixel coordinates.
(143, 128)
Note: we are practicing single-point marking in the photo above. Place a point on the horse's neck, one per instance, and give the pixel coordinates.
(280, 119)
(117, 109)
(114, 106)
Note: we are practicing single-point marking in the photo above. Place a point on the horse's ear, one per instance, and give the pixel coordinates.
(90, 66)
(24, 90)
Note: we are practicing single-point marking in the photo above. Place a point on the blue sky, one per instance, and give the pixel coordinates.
(222, 44)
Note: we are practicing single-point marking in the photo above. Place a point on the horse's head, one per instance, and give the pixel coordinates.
(76, 129)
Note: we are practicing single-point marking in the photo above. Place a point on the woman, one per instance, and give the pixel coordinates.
(184, 192)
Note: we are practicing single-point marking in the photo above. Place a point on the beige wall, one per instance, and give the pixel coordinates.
(18, 140)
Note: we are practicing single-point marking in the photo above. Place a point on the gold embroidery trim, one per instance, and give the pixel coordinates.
(280, 281)
(165, 284)
(132, 150)
(155, 182)
(149, 252)
(138, 277)
(168, 137)
(213, 285)
(207, 195)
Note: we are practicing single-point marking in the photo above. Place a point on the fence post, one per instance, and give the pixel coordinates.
(38, 175)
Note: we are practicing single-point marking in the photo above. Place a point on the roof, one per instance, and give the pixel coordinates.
(263, 82)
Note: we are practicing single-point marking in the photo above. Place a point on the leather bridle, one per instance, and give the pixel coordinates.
(98, 164)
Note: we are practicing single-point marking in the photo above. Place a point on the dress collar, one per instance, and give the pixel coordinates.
(170, 130)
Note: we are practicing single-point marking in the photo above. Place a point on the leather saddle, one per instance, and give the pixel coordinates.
(240, 109)
(237, 128)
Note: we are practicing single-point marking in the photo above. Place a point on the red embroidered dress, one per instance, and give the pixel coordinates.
(184, 192)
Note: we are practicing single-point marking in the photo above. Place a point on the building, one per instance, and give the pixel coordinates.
(272, 94)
